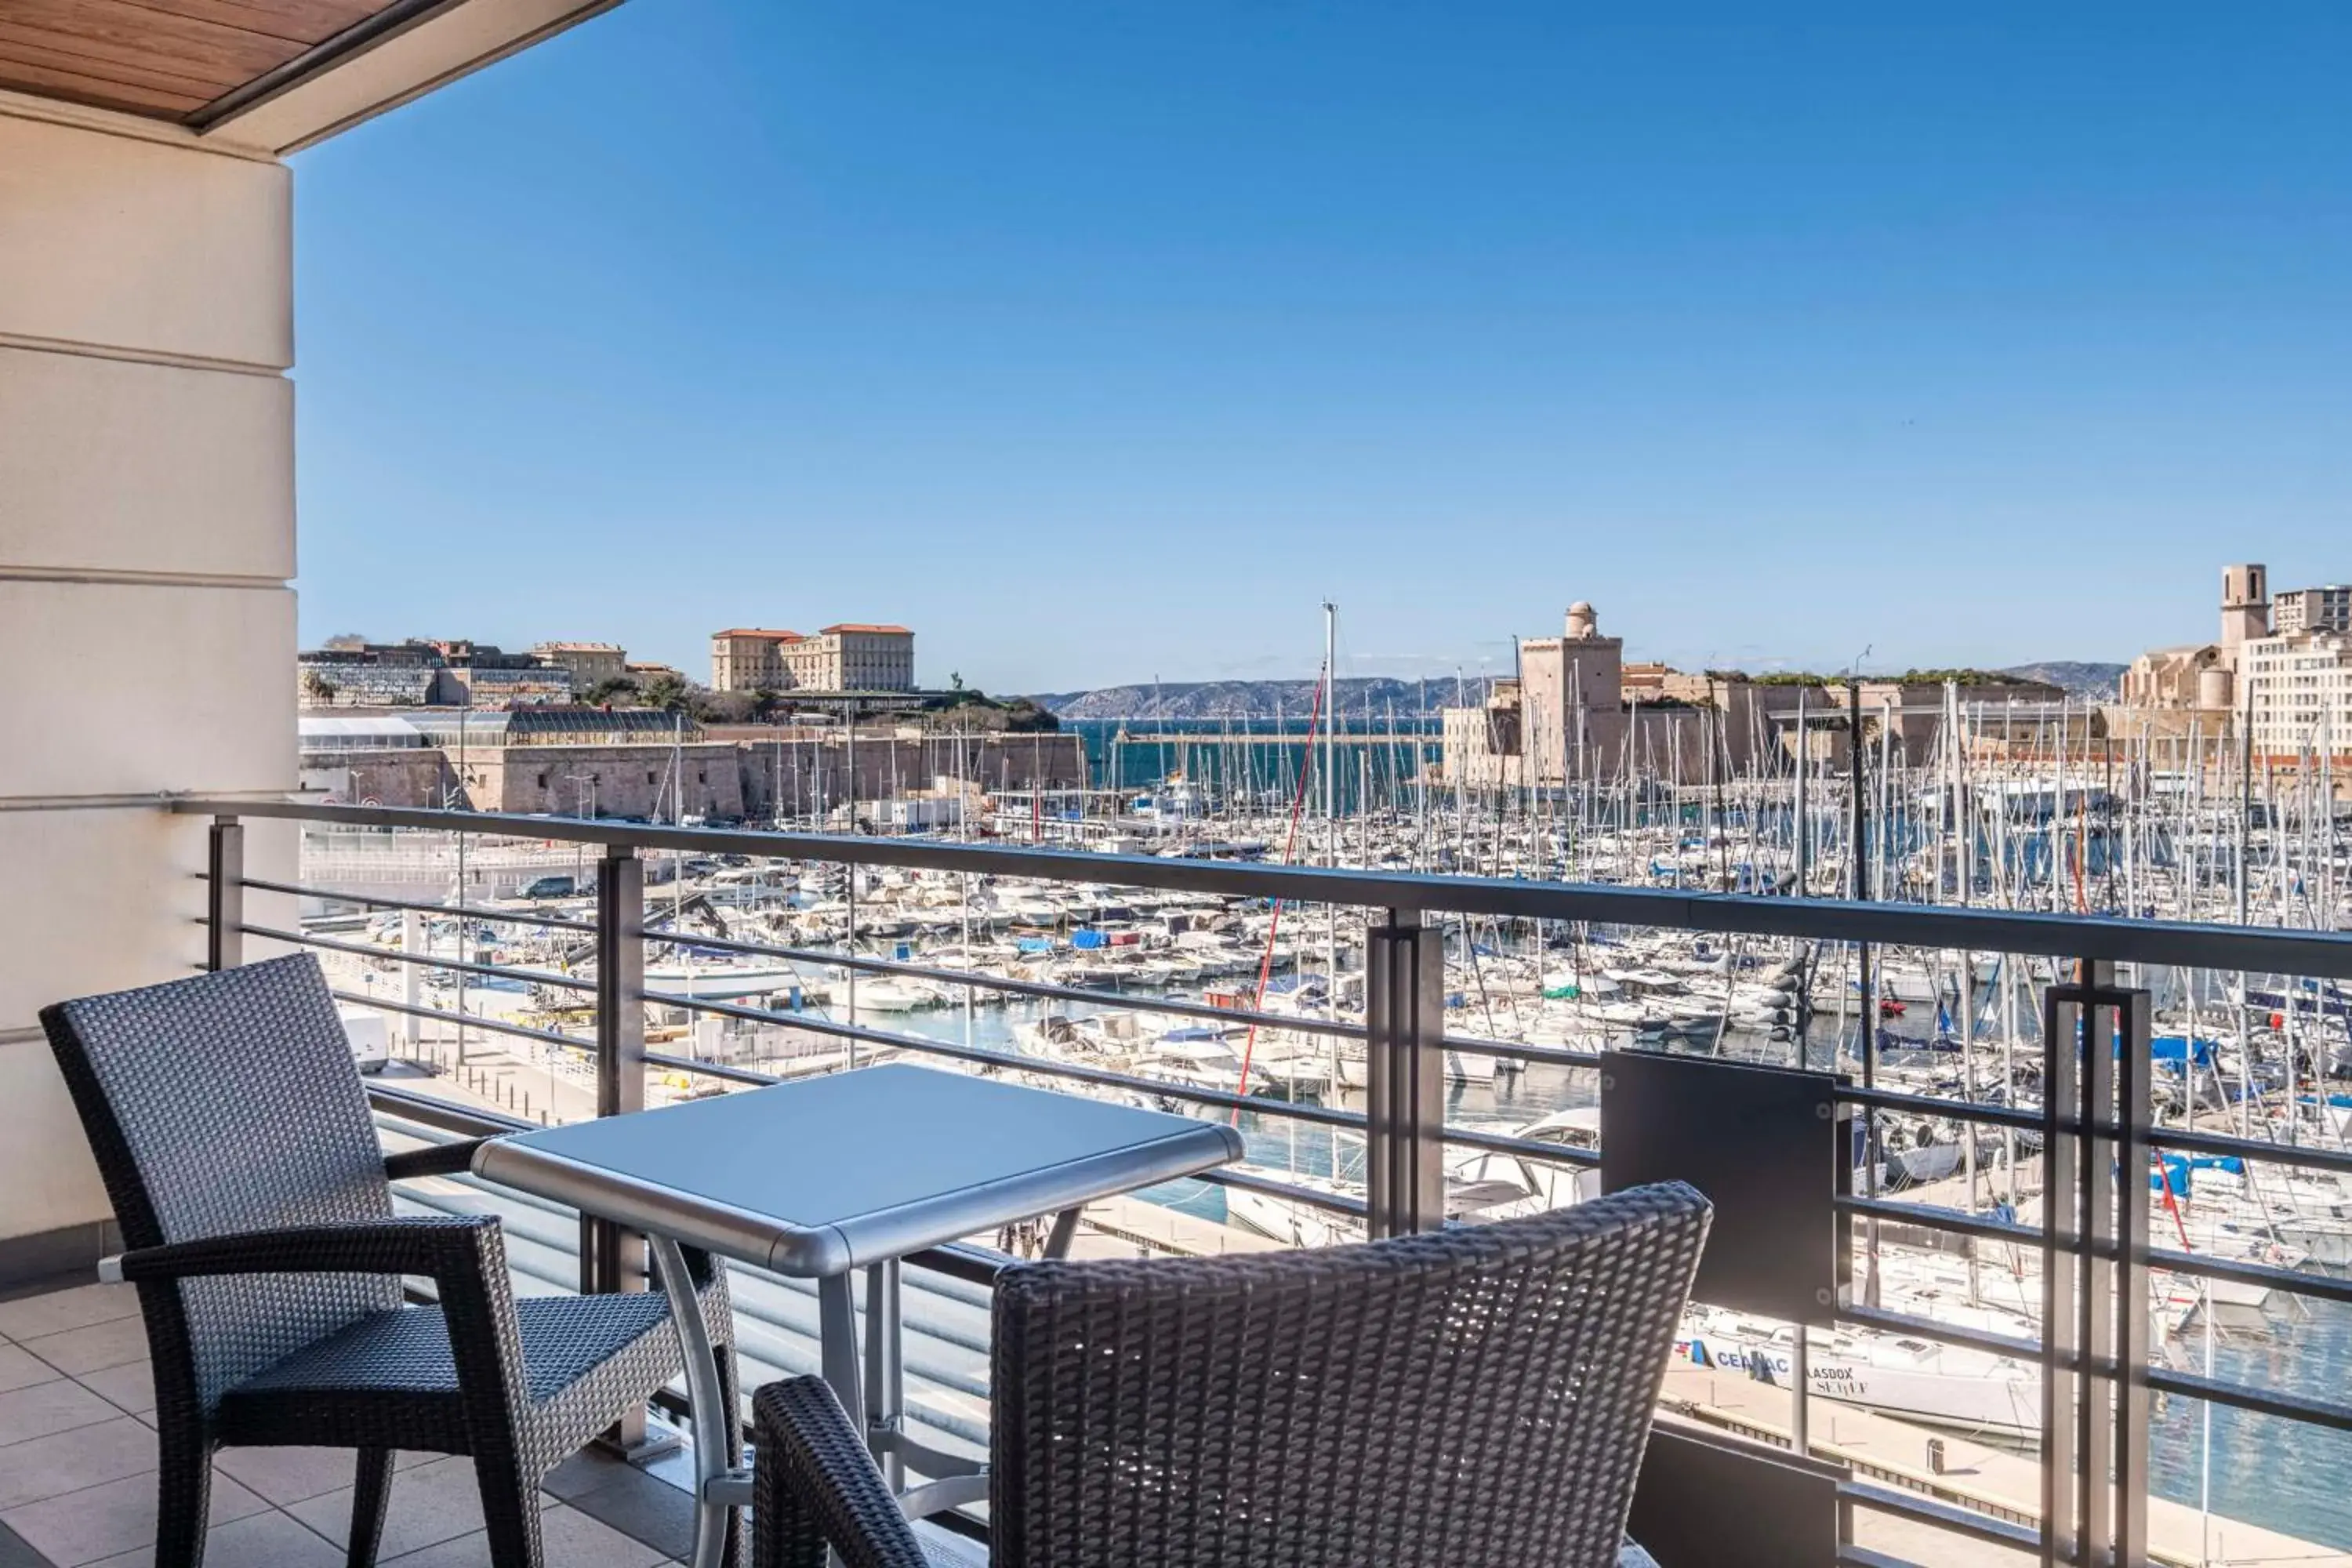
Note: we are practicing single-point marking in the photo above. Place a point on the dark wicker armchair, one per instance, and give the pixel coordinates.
(1481, 1395)
(233, 1137)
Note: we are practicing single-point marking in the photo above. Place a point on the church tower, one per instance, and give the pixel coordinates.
(2245, 608)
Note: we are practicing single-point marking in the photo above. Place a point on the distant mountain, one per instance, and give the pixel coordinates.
(1381, 696)
(1196, 700)
(2081, 678)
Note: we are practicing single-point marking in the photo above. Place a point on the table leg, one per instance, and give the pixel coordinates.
(886, 1381)
(1064, 1231)
(836, 1325)
(716, 1457)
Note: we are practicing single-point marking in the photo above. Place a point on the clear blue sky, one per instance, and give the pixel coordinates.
(1102, 341)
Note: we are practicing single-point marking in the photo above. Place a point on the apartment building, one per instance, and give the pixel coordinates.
(2298, 692)
(589, 662)
(2327, 609)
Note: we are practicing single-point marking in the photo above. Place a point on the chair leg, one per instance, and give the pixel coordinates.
(733, 1556)
(511, 1510)
(370, 1493)
(183, 1499)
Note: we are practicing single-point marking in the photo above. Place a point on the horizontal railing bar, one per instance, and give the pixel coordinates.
(1125, 1000)
(2304, 1156)
(1503, 1143)
(712, 1070)
(1950, 1334)
(429, 1111)
(2181, 945)
(1236, 1176)
(2327, 1287)
(1975, 1111)
(1928, 1216)
(428, 961)
(1852, 1556)
(509, 917)
(2287, 1406)
(1943, 1516)
(1104, 1077)
(495, 1025)
(1516, 1051)
(963, 1260)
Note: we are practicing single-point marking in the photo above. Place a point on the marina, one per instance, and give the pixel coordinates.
(1263, 1003)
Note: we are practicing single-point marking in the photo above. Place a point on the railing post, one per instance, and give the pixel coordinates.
(2061, 1034)
(611, 1259)
(2095, 1118)
(2133, 1118)
(1404, 1063)
(224, 894)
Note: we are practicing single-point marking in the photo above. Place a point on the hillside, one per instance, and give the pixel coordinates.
(1381, 696)
(2081, 678)
(1246, 700)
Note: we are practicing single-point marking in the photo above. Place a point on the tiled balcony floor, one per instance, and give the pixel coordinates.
(77, 1470)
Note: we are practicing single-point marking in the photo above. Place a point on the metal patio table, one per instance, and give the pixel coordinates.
(823, 1176)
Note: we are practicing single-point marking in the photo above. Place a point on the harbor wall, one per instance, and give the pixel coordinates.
(813, 776)
(724, 779)
(147, 545)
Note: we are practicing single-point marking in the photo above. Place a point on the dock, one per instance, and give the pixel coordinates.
(1977, 1477)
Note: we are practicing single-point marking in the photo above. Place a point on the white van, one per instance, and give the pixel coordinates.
(371, 1037)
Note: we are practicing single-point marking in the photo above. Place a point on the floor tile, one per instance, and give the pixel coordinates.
(30, 1317)
(591, 1468)
(92, 1348)
(20, 1368)
(288, 1476)
(72, 1460)
(266, 1539)
(27, 1414)
(431, 1503)
(641, 1506)
(112, 1517)
(570, 1538)
(129, 1387)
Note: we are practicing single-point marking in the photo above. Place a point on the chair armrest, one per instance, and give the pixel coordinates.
(815, 1484)
(432, 1160)
(445, 1248)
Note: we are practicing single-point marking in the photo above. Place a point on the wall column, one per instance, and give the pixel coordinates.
(146, 546)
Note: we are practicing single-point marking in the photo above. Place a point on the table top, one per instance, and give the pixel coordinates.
(829, 1173)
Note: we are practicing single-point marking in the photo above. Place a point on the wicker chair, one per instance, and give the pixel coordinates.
(235, 1140)
(1479, 1395)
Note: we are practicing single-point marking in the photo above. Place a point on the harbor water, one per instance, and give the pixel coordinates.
(2287, 1475)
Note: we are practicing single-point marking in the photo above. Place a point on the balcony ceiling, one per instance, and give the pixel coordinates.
(274, 75)
(174, 59)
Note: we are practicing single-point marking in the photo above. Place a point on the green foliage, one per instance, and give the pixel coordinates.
(1964, 676)
(968, 708)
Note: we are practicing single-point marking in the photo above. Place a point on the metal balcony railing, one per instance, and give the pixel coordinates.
(2089, 1117)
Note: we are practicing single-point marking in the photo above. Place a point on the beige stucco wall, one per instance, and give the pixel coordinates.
(146, 542)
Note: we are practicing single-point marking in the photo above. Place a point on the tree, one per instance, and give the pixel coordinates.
(1025, 716)
(318, 687)
(667, 691)
(955, 680)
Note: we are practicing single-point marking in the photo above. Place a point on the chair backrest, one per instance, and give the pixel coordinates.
(1478, 1395)
(227, 1103)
